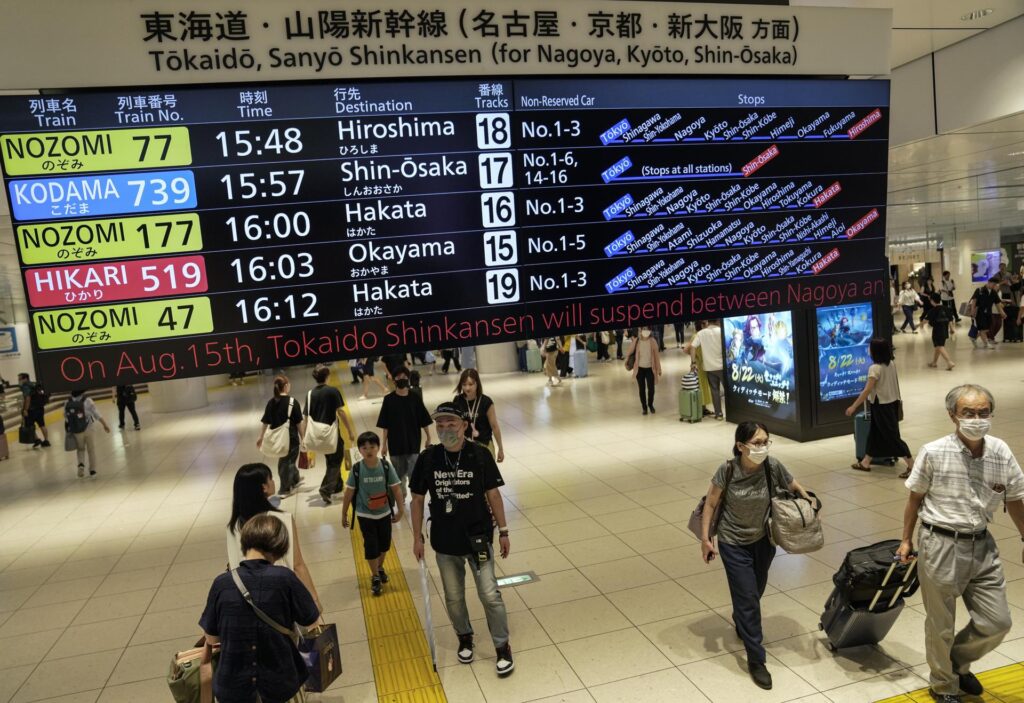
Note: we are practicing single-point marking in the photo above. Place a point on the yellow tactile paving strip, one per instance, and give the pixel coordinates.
(1002, 685)
(402, 668)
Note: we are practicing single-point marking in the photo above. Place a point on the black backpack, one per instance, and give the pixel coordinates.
(865, 568)
(75, 419)
(40, 396)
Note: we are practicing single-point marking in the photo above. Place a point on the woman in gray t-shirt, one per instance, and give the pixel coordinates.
(743, 540)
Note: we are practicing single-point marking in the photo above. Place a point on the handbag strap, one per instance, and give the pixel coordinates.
(720, 510)
(771, 487)
(259, 613)
(309, 394)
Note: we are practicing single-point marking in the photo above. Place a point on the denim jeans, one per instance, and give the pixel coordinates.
(404, 464)
(453, 576)
(746, 569)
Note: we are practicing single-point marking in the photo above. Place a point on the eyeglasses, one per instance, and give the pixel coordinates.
(760, 445)
(975, 414)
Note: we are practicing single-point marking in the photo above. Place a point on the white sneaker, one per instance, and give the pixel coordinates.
(364, 397)
(81, 471)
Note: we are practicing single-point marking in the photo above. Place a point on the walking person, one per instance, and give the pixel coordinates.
(947, 287)
(550, 353)
(956, 485)
(80, 416)
(450, 356)
(125, 396)
(618, 343)
(743, 542)
(908, 301)
(257, 662)
(882, 391)
(483, 427)
(604, 339)
(925, 296)
(250, 497)
(709, 342)
(463, 483)
(368, 484)
(33, 409)
(678, 326)
(404, 422)
(324, 405)
(367, 372)
(942, 329)
(986, 307)
(282, 409)
(646, 367)
(1010, 294)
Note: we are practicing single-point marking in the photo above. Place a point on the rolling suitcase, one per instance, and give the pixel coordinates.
(848, 623)
(861, 425)
(534, 363)
(690, 408)
(579, 363)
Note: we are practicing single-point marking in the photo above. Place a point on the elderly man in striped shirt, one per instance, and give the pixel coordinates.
(955, 485)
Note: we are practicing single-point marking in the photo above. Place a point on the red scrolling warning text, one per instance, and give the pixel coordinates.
(760, 160)
(862, 124)
(862, 224)
(822, 263)
(827, 194)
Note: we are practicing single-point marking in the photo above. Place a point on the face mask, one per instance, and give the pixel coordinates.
(645, 334)
(401, 383)
(975, 428)
(758, 454)
(449, 437)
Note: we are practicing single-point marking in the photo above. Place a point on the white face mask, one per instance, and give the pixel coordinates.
(975, 428)
(757, 454)
(645, 334)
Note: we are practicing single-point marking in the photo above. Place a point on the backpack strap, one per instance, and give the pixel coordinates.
(290, 634)
(355, 492)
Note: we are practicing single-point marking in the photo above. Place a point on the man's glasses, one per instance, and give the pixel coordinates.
(974, 414)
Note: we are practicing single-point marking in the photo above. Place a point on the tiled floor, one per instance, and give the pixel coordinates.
(101, 580)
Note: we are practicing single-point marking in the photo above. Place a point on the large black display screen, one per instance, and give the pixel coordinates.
(166, 233)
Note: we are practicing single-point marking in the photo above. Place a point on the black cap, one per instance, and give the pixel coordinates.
(448, 408)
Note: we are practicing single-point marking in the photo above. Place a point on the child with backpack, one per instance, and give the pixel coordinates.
(80, 413)
(372, 488)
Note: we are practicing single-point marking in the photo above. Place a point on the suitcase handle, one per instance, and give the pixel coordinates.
(888, 575)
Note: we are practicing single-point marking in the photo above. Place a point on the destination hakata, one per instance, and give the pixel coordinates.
(827, 194)
(823, 263)
(862, 124)
(52, 286)
(760, 160)
(862, 224)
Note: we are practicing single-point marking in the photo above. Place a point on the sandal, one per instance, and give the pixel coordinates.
(905, 474)
(859, 467)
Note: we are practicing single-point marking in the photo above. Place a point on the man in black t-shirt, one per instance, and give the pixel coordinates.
(324, 403)
(402, 420)
(462, 482)
(988, 313)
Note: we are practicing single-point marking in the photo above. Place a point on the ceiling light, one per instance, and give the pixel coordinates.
(977, 14)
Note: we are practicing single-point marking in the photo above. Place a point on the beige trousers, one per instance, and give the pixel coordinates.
(951, 568)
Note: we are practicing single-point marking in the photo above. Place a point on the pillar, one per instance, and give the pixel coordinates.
(496, 358)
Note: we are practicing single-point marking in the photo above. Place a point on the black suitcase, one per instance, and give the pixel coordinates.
(849, 623)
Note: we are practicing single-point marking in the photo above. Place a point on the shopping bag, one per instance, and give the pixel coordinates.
(320, 650)
(70, 442)
(191, 675)
(307, 460)
(27, 434)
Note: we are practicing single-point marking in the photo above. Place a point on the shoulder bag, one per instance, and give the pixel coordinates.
(276, 442)
(899, 400)
(319, 436)
(318, 646)
(695, 523)
(191, 675)
(793, 522)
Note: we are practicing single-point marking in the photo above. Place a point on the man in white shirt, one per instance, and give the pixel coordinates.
(956, 484)
(710, 340)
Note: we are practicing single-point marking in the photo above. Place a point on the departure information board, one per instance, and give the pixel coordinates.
(168, 233)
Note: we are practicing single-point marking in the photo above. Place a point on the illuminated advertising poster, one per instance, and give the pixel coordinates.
(759, 362)
(984, 265)
(844, 334)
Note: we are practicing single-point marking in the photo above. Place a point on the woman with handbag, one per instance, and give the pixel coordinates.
(737, 507)
(483, 425)
(281, 410)
(258, 662)
(253, 487)
(882, 391)
(646, 367)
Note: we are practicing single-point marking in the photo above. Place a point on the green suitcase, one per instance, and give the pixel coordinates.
(690, 408)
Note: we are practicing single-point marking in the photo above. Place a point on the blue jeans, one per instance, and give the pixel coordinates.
(453, 577)
(908, 317)
(746, 568)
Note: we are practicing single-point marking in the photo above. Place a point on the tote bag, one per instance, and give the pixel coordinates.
(320, 437)
(276, 442)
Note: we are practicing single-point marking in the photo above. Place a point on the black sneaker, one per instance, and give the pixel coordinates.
(466, 648)
(383, 576)
(504, 664)
(946, 697)
(138, 427)
(45, 443)
(121, 427)
(38, 443)
(92, 471)
(759, 673)
(325, 497)
(653, 410)
(644, 411)
(970, 685)
(375, 586)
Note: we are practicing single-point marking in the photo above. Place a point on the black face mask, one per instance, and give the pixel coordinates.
(401, 383)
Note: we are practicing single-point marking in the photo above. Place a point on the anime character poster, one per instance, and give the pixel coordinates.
(984, 265)
(844, 334)
(759, 362)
